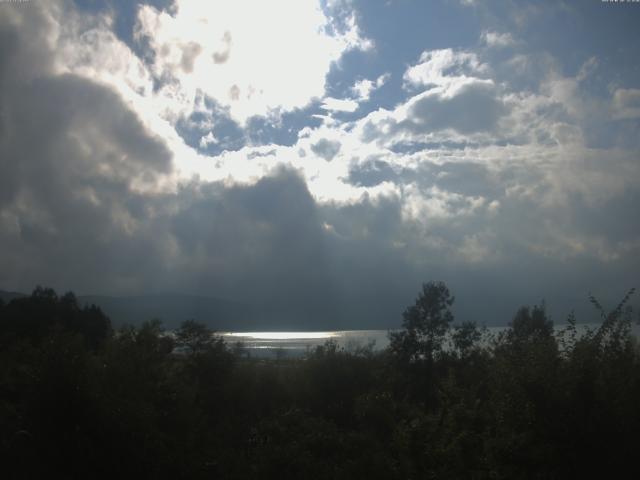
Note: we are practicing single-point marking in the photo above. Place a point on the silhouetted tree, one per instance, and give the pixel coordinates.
(425, 324)
(194, 337)
(530, 325)
(465, 337)
(516, 407)
(42, 313)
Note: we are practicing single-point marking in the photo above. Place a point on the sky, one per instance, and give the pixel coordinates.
(323, 158)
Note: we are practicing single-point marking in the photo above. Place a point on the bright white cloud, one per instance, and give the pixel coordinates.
(436, 204)
(339, 105)
(444, 68)
(364, 88)
(208, 139)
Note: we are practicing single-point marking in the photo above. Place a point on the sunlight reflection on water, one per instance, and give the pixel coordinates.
(283, 335)
(265, 344)
(297, 343)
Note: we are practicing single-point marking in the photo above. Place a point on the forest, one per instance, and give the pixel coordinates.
(80, 399)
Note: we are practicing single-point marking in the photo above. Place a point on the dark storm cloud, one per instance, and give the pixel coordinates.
(265, 240)
(70, 153)
(22, 40)
(65, 129)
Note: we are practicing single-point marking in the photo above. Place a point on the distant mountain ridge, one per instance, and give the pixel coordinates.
(171, 309)
(227, 315)
(8, 296)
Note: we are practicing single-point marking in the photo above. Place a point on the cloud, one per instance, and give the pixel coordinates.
(475, 107)
(223, 55)
(626, 103)
(437, 115)
(481, 171)
(435, 204)
(190, 53)
(372, 172)
(86, 207)
(261, 61)
(446, 68)
(77, 165)
(496, 39)
(208, 139)
(453, 94)
(364, 88)
(327, 149)
(82, 208)
(338, 105)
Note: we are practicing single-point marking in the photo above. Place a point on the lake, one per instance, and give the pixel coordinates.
(270, 344)
(266, 344)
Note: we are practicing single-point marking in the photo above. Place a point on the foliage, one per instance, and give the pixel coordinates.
(425, 324)
(194, 337)
(465, 338)
(78, 400)
(43, 313)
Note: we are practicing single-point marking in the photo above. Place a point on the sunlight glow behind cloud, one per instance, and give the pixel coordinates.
(250, 57)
